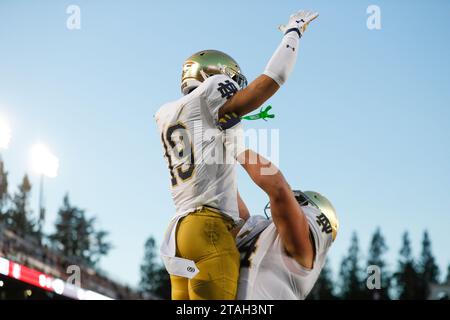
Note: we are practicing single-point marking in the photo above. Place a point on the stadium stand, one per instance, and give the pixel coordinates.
(28, 266)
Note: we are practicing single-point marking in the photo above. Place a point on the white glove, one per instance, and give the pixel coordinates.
(283, 60)
(298, 22)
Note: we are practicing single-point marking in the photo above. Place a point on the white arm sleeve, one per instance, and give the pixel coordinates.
(283, 60)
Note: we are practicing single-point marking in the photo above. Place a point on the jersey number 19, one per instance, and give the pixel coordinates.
(182, 149)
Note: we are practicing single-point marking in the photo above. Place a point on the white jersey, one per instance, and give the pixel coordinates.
(194, 149)
(267, 271)
(202, 174)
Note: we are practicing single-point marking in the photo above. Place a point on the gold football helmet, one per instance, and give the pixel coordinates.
(203, 64)
(317, 200)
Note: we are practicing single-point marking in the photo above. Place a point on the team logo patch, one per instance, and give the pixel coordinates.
(323, 221)
(227, 89)
(190, 269)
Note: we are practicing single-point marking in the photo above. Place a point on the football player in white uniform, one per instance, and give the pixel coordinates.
(281, 258)
(199, 251)
(268, 270)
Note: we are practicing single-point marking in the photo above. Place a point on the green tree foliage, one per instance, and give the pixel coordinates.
(427, 267)
(324, 287)
(4, 197)
(77, 237)
(352, 282)
(407, 278)
(19, 215)
(154, 278)
(377, 250)
(447, 279)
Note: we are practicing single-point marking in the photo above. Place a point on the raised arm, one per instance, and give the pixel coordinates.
(277, 70)
(289, 219)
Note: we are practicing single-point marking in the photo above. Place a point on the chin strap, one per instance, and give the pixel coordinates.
(262, 114)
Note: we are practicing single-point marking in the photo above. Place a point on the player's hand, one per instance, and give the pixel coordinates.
(299, 21)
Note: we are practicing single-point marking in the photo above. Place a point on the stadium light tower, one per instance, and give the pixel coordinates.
(45, 164)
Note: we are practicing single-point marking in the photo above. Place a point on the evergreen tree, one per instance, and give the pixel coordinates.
(100, 246)
(3, 190)
(447, 280)
(76, 236)
(154, 277)
(377, 250)
(351, 275)
(19, 215)
(428, 269)
(323, 288)
(407, 277)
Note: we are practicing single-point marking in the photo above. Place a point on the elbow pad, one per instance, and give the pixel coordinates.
(283, 60)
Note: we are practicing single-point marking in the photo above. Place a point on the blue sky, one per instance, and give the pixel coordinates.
(364, 118)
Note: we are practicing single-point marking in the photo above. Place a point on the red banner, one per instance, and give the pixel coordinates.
(41, 280)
